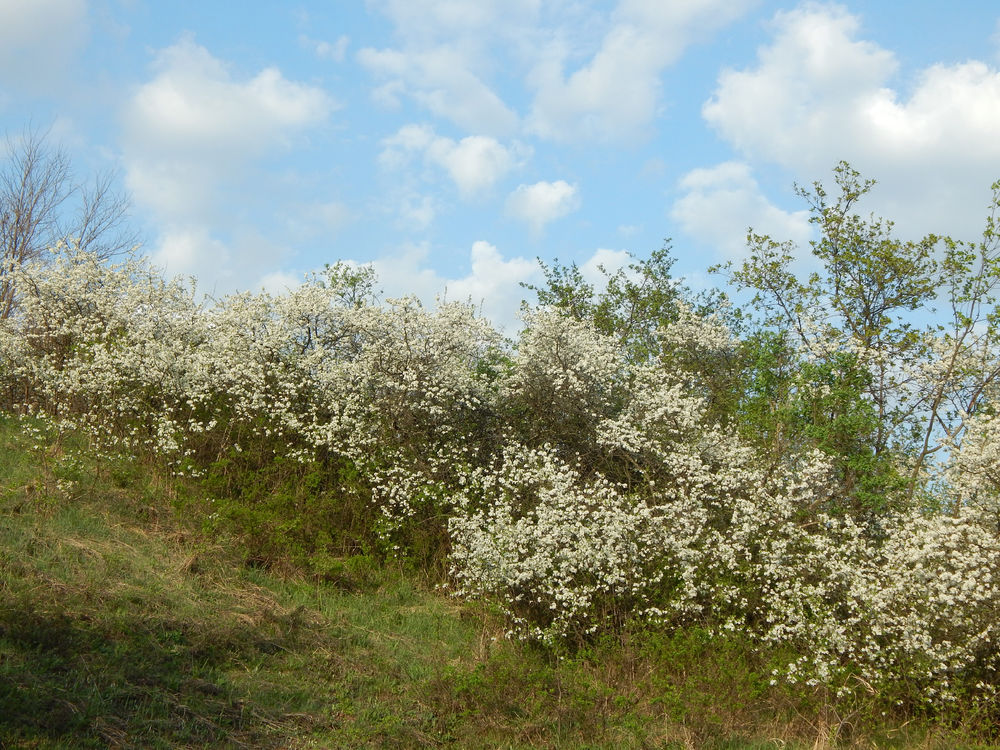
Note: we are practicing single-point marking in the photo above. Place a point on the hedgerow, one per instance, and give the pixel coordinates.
(814, 479)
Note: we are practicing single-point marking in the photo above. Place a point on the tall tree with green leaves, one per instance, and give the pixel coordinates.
(884, 379)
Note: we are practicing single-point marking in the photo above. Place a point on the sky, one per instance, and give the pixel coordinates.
(453, 143)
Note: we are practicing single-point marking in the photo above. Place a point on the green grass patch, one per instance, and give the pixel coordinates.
(123, 625)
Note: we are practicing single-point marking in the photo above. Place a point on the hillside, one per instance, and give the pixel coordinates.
(122, 625)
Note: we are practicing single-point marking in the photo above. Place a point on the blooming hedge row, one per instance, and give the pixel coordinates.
(578, 488)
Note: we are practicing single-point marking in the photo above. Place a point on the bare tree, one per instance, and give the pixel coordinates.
(41, 205)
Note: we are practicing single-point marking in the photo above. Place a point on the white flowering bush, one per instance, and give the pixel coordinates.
(935, 597)
(411, 409)
(564, 379)
(974, 472)
(271, 399)
(669, 519)
(102, 349)
(566, 555)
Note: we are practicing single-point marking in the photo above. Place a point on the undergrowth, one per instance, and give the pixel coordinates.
(123, 623)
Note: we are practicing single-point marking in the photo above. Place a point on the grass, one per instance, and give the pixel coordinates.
(122, 625)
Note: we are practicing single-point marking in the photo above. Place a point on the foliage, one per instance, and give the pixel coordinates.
(862, 319)
(635, 301)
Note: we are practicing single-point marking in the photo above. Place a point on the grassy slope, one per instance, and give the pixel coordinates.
(121, 626)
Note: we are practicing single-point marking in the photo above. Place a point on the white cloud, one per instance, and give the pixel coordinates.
(431, 21)
(187, 250)
(609, 260)
(193, 106)
(320, 219)
(192, 134)
(416, 212)
(543, 202)
(616, 93)
(38, 40)
(492, 284)
(722, 202)
(397, 149)
(819, 94)
(474, 163)
(449, 52)
(280, 282)
(405, 271)
(388, 94)
(329, 216)
(591, 74)
(244, 262)
(813, 80)
(182, 189)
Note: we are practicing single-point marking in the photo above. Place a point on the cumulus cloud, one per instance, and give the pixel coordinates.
(474, 163)
(317, 219)
(38, 40)
(722, 202)
(416, 211)
(279, 282)
(814, 79)
(192, 133)
(447, 57)
(608, 260)
(591, 74)
(820, 93)
(492, 283)
(194, 106)
(241, 260)
(398, 148)
(543, 202)
(182, 249)
(432, 21)
(616, 93)
(174, 189)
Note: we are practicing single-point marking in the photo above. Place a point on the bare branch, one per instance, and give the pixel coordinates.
(102, 220)
(35, 187)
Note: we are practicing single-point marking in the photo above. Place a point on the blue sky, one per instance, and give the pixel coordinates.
(451, 142)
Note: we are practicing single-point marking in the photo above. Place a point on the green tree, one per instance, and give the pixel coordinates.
(880, 374)
(635, 302)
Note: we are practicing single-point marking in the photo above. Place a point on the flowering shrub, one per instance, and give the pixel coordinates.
(565, 554)
(576, 483)
(103, 349)
(564, 378)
